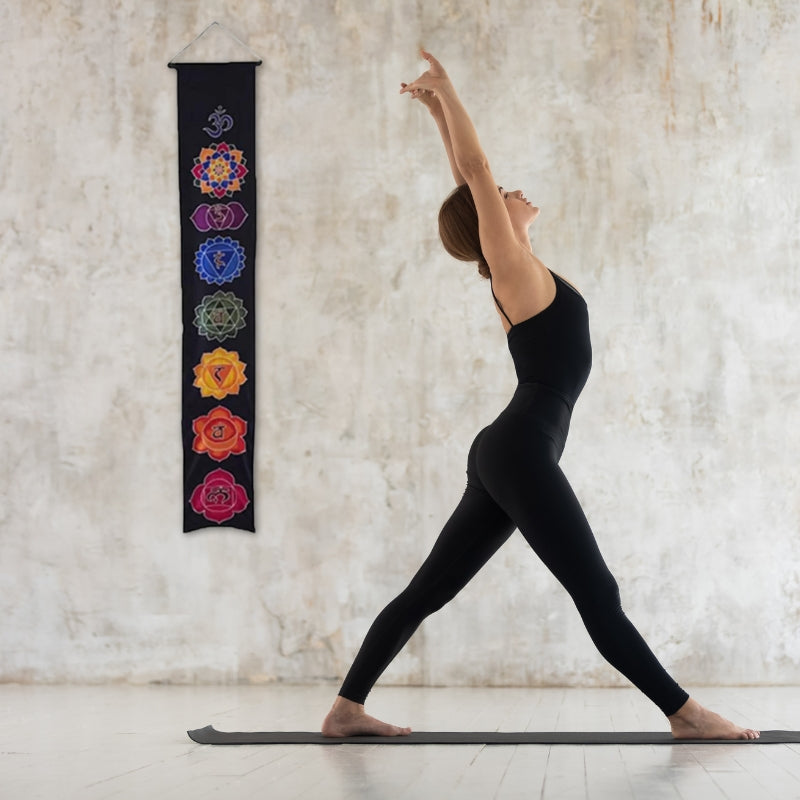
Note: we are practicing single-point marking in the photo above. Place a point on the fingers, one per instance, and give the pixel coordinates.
(429, 58)
(418, 94)
(411, 87)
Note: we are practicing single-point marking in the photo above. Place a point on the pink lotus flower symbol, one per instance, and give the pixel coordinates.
(219, 497)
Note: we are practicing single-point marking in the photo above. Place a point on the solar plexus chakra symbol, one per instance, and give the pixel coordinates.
(219, 497)
(220, 316)
(220, 434)
(219, 170)
(219, 217)
(219, 373)
(219, 260)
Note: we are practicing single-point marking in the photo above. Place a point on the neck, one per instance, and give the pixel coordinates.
(523, 238)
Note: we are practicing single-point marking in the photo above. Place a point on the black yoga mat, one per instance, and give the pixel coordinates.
(209, 735)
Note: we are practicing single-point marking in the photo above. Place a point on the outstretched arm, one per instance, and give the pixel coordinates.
(504, 253)
(431, 102)
(467, 151)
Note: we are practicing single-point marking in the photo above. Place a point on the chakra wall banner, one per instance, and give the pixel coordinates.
(217, 179)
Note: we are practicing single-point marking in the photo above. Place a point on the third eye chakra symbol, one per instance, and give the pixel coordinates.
(222, 122)
(220, 216)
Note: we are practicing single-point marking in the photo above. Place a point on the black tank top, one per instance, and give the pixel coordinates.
(553, 347)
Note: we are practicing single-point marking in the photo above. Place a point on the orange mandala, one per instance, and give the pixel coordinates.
(219, 373)
(220, 434)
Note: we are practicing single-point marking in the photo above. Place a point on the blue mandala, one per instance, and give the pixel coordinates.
(219, 260)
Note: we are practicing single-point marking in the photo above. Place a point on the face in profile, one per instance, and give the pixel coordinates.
(521, 211)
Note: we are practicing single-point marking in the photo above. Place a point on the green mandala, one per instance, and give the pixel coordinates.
(220, 316)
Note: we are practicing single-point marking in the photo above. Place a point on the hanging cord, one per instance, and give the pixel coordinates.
(172, 61)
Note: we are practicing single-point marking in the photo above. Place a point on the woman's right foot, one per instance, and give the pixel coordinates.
(692, 721)
(347, 718)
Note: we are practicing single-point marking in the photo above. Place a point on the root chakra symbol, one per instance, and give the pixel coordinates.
(219, 373)
(219, 497)
(219, 170)
(220, 316)
(220, 434)
(219, 260)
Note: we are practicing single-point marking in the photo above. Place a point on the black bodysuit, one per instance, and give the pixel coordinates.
(514, 481)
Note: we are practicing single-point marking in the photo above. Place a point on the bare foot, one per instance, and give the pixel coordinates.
(692, 721)
(347, 718)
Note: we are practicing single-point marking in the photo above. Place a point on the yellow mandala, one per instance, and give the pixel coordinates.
(219, 373)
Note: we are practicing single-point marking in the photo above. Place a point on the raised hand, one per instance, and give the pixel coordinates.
(434, 90)
(432, 79)
(427, 97)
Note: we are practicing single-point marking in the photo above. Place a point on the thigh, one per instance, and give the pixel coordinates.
(518, 464)
(553, 523)
(471, 536)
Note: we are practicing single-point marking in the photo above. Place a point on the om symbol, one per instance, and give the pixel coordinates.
(222, 121)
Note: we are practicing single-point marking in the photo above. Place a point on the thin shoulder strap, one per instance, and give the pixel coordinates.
(500, 305)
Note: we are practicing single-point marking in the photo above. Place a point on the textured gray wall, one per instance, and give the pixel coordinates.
(659, 139)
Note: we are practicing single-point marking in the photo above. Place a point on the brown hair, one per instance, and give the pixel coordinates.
(458, 228)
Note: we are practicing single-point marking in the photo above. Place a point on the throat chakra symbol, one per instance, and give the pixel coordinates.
(220, 316)
(219, 260)
(219, 170)
(222, 122)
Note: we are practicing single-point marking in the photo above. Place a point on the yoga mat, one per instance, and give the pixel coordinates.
(209, 735)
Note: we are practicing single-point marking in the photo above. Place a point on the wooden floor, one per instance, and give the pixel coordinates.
(129, 742)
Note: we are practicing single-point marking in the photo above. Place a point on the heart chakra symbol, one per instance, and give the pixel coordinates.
(220, 316)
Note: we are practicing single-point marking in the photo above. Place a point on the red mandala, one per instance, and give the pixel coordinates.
(219, 497)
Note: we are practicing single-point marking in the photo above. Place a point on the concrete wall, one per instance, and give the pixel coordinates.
(660, 141)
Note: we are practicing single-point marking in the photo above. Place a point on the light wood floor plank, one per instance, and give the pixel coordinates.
(484, 774)
(607, 774)
(525, 774)
(756, 761)
(129, 743)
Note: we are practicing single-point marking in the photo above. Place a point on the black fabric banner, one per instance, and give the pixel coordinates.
(216, 168)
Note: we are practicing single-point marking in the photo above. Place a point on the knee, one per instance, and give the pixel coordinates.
(599, 597)
(414, 604)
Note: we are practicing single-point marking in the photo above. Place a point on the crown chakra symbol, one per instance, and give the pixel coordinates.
(222, 122)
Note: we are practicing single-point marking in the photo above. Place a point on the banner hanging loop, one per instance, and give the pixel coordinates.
(172, 62)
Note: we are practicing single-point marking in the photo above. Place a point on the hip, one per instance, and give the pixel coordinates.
(536, 418)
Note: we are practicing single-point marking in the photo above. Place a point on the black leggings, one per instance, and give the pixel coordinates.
(514, 481)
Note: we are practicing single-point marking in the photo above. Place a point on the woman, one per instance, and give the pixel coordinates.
(513, 477)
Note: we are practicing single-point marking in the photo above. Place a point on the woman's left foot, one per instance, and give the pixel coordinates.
(693, 721)
(347, 718)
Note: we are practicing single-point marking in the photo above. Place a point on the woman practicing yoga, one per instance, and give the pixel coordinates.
(513, 477)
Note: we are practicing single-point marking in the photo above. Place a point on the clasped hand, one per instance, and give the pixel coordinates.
(425, 87)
